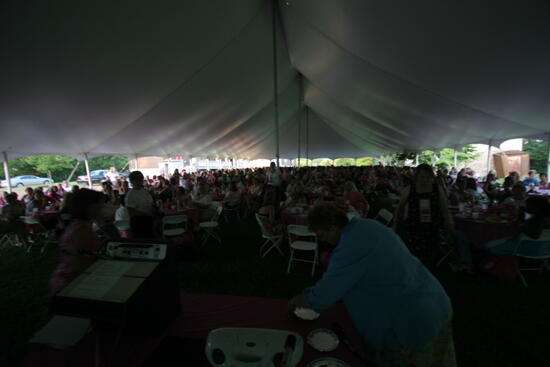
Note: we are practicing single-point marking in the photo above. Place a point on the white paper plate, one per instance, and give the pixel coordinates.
(328, 362)
(323, 340)
(306, 313)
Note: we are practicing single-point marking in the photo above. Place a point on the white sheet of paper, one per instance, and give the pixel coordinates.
(62, 331)
(94, 286)
(113, 268)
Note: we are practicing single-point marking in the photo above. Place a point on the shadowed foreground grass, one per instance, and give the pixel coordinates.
(496, 324)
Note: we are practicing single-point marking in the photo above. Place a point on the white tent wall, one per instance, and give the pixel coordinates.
(196, 77)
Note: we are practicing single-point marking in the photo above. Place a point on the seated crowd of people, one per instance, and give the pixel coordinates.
(419, 198)
(269, 192)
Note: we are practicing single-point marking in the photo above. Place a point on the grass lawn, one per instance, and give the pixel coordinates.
(496, 324)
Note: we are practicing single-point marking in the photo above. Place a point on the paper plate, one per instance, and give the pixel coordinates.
(323, 340)
(328, 362)
(306, 313)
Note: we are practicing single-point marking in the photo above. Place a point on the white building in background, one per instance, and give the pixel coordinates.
(480, 164)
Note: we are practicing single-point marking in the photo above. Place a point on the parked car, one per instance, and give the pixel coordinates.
(97, 176)
(20, 181)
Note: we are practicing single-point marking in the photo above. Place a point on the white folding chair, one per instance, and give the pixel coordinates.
(10, 239)
(296, 234)
(210, 227)
(384, 216)
(39, 234)
(533, 250)
(174, 225)
(270, 239)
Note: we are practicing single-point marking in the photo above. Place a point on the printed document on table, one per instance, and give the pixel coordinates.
(113, 268)
(94, 286)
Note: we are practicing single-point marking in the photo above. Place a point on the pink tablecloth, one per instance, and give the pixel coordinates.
(192, 213)
(202, 313)
(293, 218)
(48, 218)
(205, 312)
(479, 231)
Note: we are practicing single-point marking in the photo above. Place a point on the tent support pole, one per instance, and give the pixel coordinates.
(275, 77)
(87, 170)
(7, 171)
(307, 136)
(489, 156)
(548, 153)
(136, 166)
(73, 171)
(416, 159)
(300, 118)
(455, 158)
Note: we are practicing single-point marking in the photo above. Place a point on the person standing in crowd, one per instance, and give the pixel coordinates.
(112, 176)
(140, 205)
(404, 315)
(428, 217)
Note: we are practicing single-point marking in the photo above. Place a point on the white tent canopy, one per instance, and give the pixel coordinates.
(196, 77)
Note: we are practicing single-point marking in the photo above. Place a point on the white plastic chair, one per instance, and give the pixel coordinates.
(174, 225)
(384, 216)
(270, 239)
(210, 227)
(10, 239)
(38, 233)
(296, 233)
(533, 249)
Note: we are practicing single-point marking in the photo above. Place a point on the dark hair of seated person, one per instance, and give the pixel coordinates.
(270, 197)
(424, 168)
(539, 208)
(471, 183)
(83, 200)
(324, 216)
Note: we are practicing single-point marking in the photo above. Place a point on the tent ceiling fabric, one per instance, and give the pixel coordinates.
(196, 77)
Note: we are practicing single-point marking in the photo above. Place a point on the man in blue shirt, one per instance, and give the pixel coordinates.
(399, 308)
(531, 179)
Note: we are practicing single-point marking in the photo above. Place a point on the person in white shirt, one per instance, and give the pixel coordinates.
(121, 214)
(66, 187)
(273, 175)
(140, 205)
(203, 201)
(112, 176)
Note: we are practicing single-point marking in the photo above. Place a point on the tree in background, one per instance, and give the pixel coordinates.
(59, 167)
(443, 158)
(54, 166)
(344, 162)
(322, 162)
(303, 162)
(365, 161)
(538, 153)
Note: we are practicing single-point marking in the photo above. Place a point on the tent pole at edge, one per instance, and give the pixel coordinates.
(275, 77)
(7, 171)
(88, 170)
(489, 156)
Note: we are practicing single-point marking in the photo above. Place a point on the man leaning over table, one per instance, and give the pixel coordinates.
(400, 310)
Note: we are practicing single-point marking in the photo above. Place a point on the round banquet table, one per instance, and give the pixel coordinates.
(480, 231)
